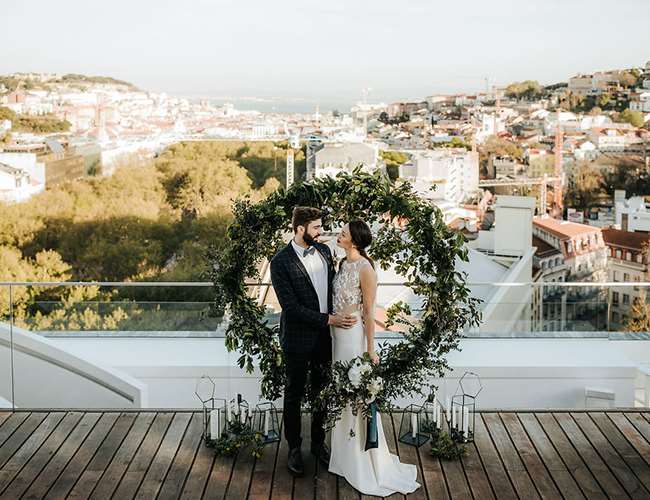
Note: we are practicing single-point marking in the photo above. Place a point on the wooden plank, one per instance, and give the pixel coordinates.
(178, 472)
(513, 464)
(494, 468)
(21, 477)
(562, 477)
(476, 475)
(456, 480)
(28, 446)
(9, 441)
(623, 447)
(199, 472)
(4, 415)
(590, 457)
(610, 456)
(42, 483)
(640, 423)
(282, 488)
(219, 478)
(133, 430)
(162, 459)
(135, 472)
(529, 457)
(345, 489)
(82, 457)
(118, 463)
(631, 433)
(263, 472)
(409, 455)
(304, 487)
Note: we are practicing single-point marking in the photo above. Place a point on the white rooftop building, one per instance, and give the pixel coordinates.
(631, 214)
(453, 172)
(333, 158)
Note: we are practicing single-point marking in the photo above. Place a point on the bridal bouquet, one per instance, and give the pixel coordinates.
(359, 383)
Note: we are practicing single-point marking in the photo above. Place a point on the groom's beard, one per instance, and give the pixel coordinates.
(307, 238)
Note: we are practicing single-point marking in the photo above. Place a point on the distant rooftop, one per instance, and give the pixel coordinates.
(628, 239)
(563, 229)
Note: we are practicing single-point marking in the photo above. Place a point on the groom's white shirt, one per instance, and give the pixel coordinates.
(317, 270)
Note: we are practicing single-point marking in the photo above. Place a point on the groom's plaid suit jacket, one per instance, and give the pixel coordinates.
(301, 321)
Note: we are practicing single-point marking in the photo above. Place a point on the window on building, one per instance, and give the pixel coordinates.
(615, 297)
(626, 277)
(628, 255)
(618, 254)
(626, 298)
(615, 317)
(614, 275)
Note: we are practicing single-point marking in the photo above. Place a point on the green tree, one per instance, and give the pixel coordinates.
(585, 186)
(634, 118)
(393, 160)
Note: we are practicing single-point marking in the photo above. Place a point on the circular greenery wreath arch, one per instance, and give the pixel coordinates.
(424, 251)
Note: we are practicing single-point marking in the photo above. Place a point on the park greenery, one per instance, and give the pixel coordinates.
(150, 221)
(37, 124)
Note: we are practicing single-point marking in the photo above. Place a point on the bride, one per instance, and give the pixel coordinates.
(376, 471)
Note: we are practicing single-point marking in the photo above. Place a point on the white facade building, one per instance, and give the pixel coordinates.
(333, 158)
(631, 214)
(453, 172)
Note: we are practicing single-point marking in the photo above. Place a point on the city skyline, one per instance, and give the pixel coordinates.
(323, 52)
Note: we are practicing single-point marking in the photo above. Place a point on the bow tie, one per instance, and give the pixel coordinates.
(307, 251)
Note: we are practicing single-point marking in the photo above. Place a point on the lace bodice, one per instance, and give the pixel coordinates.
(347, 286)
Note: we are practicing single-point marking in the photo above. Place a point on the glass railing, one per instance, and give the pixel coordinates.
(56, 337)
(154, 309)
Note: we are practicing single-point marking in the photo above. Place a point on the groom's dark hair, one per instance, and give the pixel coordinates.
(302, 216)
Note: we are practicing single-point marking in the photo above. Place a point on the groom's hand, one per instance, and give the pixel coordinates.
(342, 321)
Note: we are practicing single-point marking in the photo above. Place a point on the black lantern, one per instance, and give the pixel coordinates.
(266, 422)
(433, 416)
(238, 415)
(410, 426)
(463, 408)
(213, 410)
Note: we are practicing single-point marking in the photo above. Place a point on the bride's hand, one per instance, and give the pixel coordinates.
(374, 357)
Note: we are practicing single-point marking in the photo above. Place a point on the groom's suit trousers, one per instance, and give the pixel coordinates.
(306, 372)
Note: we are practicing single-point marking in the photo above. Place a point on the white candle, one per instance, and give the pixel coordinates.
(435, 412)
(214, 424)
(228, 413)
(438, 416)
(414, 425)
(465, 421)
(266, 422)
(242, 415)
(448, 409)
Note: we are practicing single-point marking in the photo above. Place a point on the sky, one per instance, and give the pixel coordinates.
(323, 51)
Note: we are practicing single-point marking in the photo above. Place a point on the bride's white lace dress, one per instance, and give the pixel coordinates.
(376, 471)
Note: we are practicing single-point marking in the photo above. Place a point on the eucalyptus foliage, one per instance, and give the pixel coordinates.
(411, 237)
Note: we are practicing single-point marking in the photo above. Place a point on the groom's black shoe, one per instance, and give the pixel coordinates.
(294, 463)
(322, 453)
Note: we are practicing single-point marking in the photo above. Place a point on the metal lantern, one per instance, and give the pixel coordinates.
(433, 415)
(463, 408)
(238, 415)
(267, 422)
(410, 428)
(213, 410)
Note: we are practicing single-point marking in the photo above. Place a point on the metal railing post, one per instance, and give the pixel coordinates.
(11, 349)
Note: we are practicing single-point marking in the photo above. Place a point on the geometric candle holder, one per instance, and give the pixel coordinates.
(433, 418)
(213, 410)
(267, 422)
(462, 420)
(238, 415)
(410, 428)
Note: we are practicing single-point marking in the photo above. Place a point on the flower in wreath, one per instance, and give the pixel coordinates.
(365, 368)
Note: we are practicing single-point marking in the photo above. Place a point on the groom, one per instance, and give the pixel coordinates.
(302, 274)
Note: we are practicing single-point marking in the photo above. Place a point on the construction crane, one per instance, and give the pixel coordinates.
(543, 182)
(558, 186)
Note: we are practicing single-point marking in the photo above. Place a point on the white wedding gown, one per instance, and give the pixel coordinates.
(376, 471)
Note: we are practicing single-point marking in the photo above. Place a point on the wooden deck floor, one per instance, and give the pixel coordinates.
(159, 454)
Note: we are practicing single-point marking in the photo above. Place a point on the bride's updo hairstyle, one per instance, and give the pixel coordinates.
(361, 237)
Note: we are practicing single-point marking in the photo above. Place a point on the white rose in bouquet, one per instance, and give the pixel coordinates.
(376, 385)
(354, 374)
(365, 368)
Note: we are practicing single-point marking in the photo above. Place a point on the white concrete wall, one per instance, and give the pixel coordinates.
(47, 376)
(517, 373)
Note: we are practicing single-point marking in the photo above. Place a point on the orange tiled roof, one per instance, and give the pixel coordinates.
(628, 239)
(563, 229)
